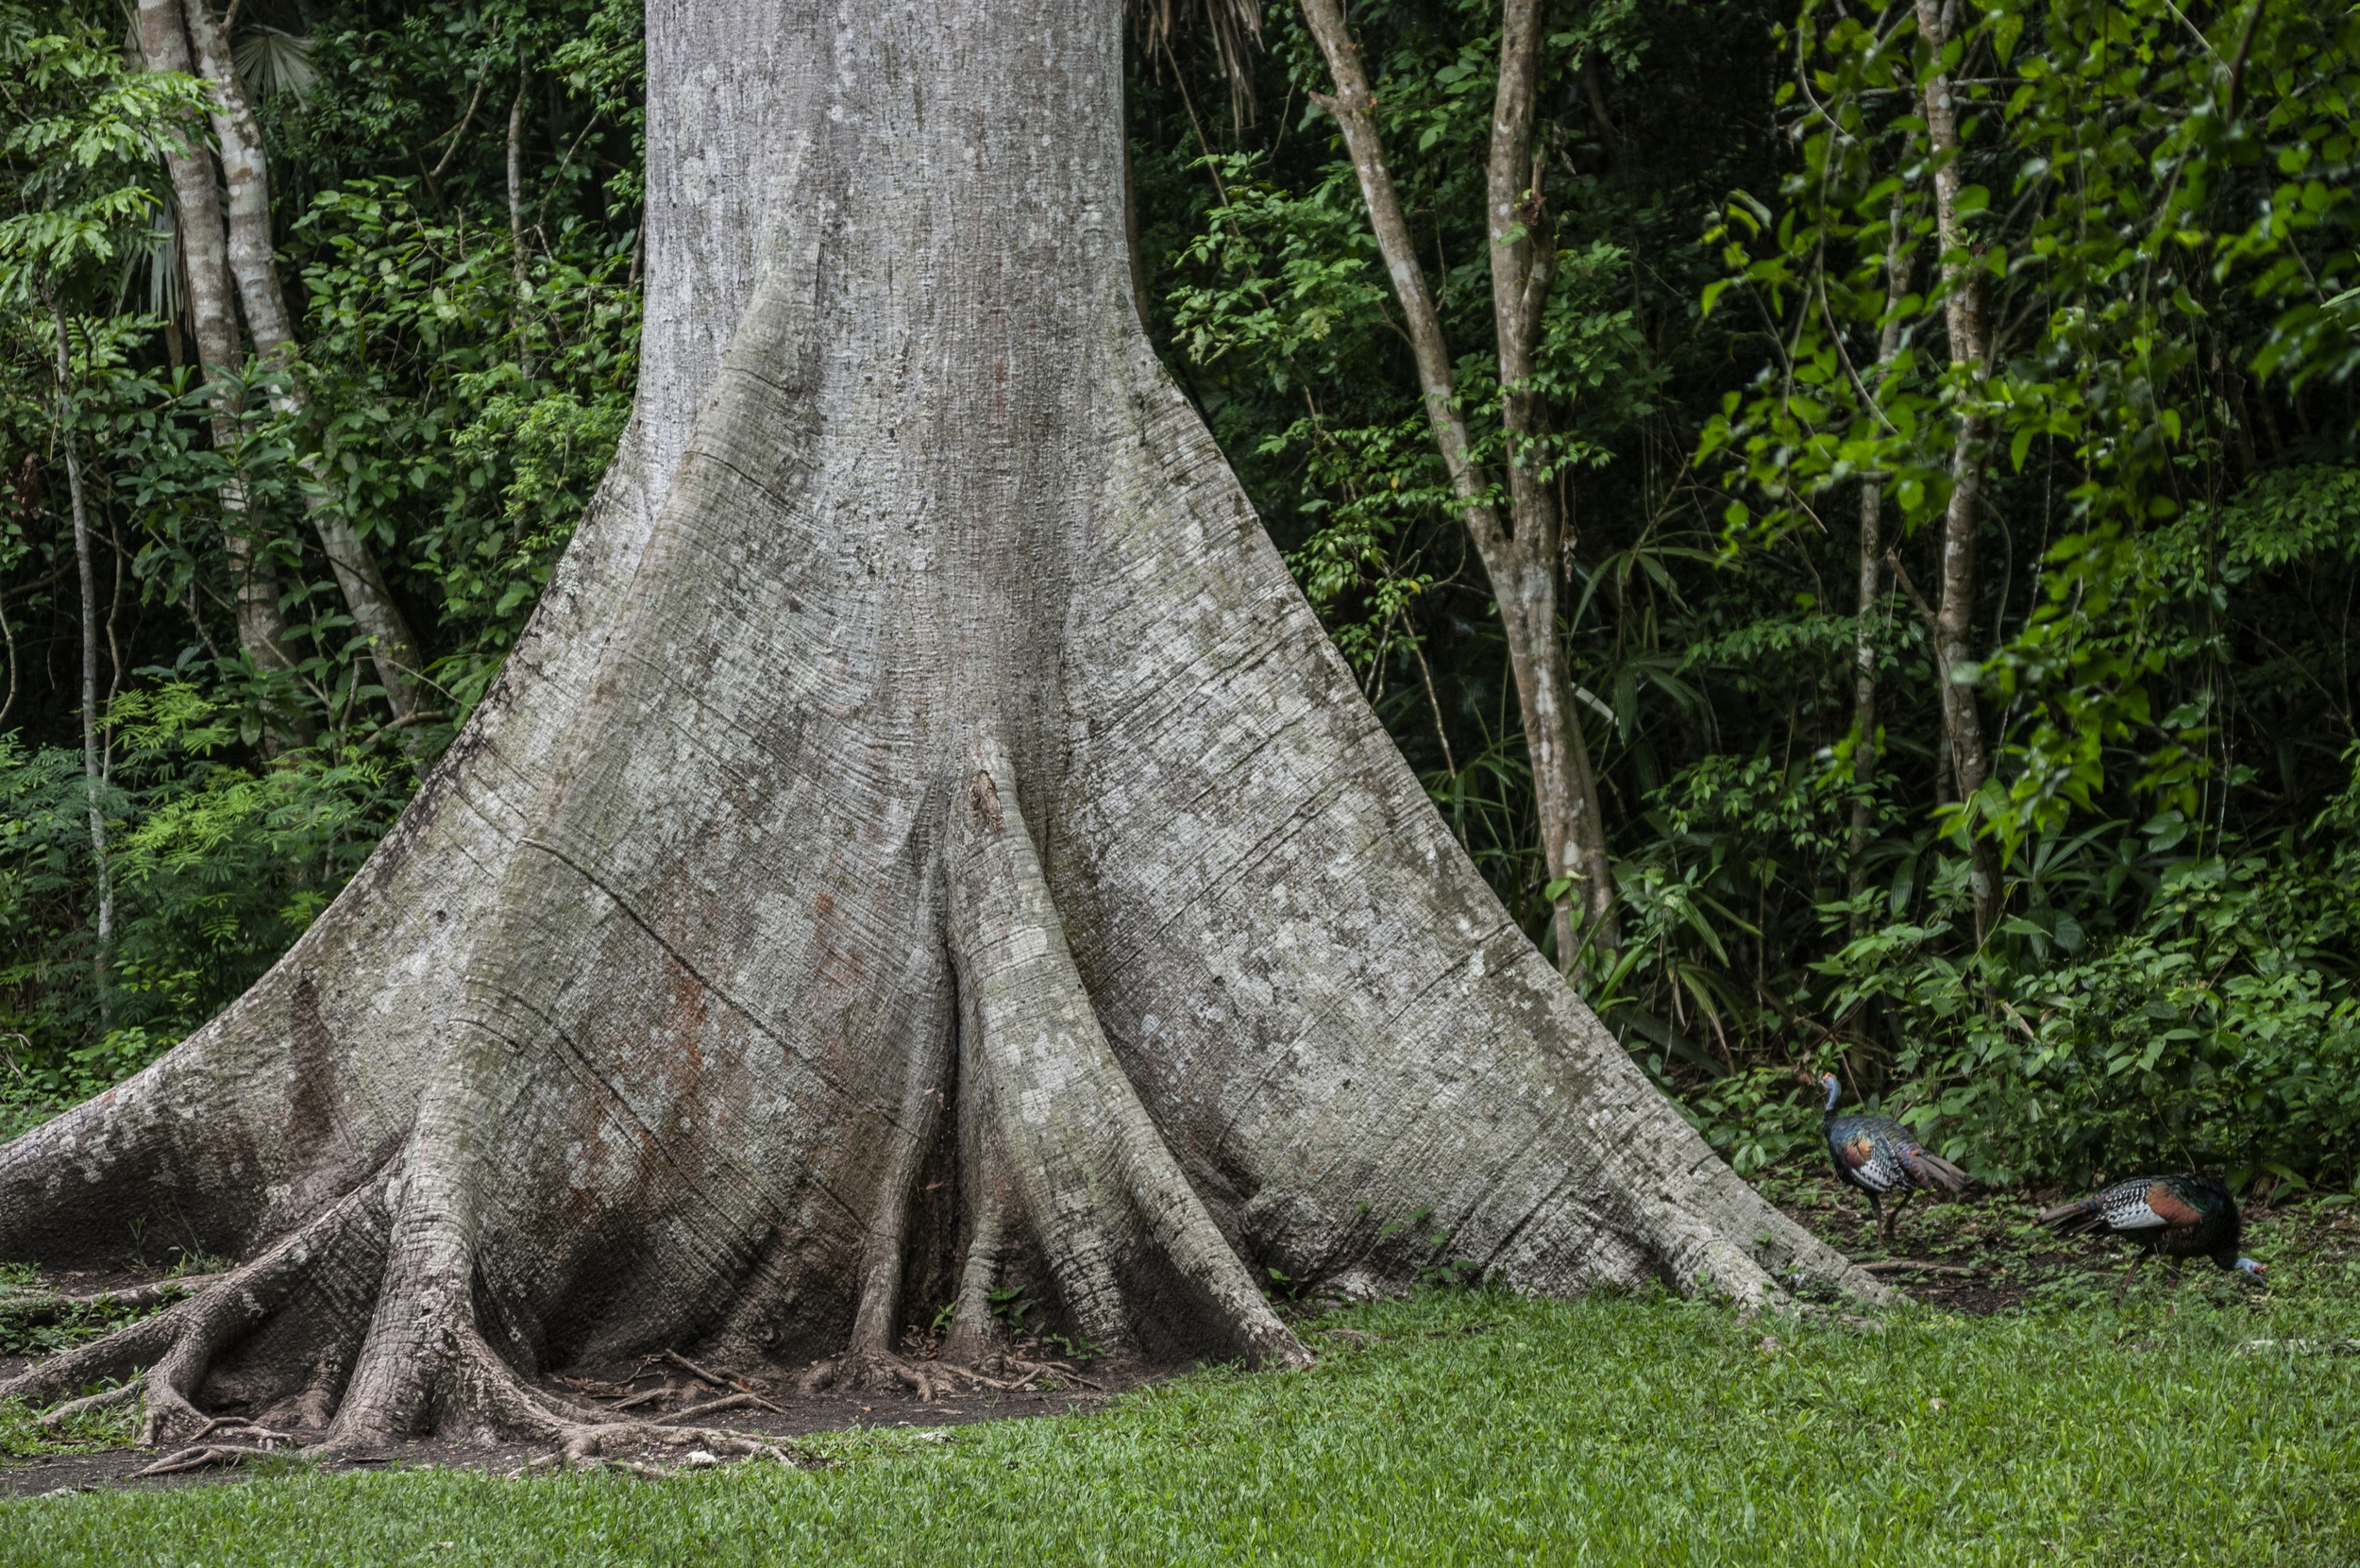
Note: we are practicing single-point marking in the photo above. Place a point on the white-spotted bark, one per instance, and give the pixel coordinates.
(923, 848)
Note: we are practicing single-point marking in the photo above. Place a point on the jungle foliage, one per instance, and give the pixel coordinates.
(1750, 325)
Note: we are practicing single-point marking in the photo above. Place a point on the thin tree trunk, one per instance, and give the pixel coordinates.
(375, 613)
(922, 847)
(93, 765)
(1866, 754)
(516, 218)
(1523, 564)
(1970, 349)
(204, 253)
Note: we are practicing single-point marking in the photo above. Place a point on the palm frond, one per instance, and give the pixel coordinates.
(270, 63)
(1233, 26)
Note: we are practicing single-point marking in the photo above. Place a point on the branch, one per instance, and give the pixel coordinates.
(1901, 575)
(2236, 62)
(1351, 106)
(460, 129)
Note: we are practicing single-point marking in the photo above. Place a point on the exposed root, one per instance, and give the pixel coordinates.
(231, 1308)
(730, 1402)
(203, 1457)
(887, 1373)
(34, 1312)
(176, 1347)
(98, 1401)
(1092, 1175)
(126, 1350)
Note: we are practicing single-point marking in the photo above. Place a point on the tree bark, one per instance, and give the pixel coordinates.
(1970, 350)
(204, 252)
(93, 765)
(246, 177)
(1522, 564)
(924, 845)
(1866, 752)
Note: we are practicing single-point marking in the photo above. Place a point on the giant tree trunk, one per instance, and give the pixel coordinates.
(923, 844)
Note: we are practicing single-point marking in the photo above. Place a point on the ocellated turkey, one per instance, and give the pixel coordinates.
(1877, 1154)
(2187, 1215)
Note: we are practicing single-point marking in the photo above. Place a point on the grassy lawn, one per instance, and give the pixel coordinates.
(1467, 1429)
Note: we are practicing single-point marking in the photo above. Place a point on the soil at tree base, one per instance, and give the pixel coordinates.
(797, 1415)
(1985, 1234)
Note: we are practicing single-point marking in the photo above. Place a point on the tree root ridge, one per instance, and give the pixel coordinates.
(205, 1456)
(37, 1311)
(1088, 1169)
(171, 1352)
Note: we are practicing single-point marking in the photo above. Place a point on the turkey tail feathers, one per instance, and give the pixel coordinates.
(1946, 1175)
(2072, 1218)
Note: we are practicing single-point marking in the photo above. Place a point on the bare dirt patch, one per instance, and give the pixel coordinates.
(661, 1393)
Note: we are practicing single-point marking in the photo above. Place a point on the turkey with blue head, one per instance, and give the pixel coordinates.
(1877, 1154)
(2181, 1216)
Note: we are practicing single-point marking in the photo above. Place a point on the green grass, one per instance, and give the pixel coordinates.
(1475, 1429)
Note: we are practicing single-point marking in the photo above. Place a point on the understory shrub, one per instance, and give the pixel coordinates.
(215, 869)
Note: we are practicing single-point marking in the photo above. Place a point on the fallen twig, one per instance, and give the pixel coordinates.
(1891, 1264)
(716, 1380)
(202, 1456)
(638, 1399)
(729, 1401)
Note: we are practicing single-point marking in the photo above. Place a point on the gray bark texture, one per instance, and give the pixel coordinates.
(924, 845)
(1866, 755)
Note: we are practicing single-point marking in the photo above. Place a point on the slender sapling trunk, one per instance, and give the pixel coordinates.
(93, 763)
(1522, 564)
(205, 273)
(1866, 756)
(375, 614)
(1970, 350)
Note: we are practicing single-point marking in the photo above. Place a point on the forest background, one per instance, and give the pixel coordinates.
(1939, 421)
